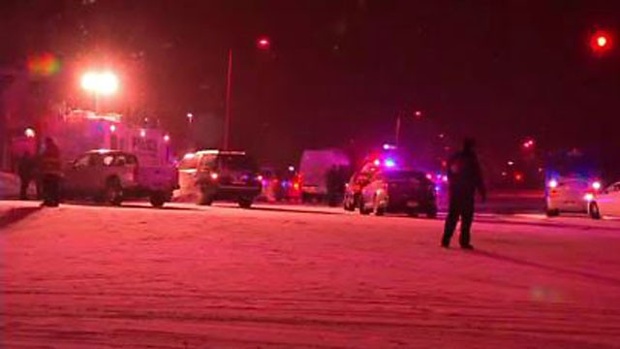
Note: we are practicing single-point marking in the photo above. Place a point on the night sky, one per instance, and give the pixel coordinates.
(338, 72)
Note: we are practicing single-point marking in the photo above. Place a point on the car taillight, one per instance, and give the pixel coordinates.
(214, 176)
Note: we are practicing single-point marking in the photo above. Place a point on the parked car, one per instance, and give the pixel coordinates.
(605, 203)
(112, 176)
(211, 175)
(567, 194)
(399, 191)
(569, 176)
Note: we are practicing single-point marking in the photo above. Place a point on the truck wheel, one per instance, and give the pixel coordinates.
(245, 202)
(552, 212)
(205, 199)
(113, 193)
(412, 212)
(157, 199)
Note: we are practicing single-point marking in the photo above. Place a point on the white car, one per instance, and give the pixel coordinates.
(605, 203)
(569, 194)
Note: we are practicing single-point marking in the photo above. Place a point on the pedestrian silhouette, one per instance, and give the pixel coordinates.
(464, 179)
(51, 172)
(26, 172)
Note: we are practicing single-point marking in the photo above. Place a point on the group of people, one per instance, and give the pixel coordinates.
(44, 170)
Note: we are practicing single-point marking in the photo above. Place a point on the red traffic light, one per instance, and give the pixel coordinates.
(263, 43)
(601, 42)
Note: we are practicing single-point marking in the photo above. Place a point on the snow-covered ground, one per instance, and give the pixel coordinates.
(283, 277)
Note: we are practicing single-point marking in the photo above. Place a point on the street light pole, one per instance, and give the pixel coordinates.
(263, 43)
(228, 100)
(417, 114)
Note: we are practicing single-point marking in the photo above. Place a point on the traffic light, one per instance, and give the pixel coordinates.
(601, 42)
(263, 43)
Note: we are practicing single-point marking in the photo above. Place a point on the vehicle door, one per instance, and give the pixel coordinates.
(75, 176)
(609, 200)
(125, 167)
(208, 172)
(96, 173)
(380, 187)
(373, 182)
(188, 172)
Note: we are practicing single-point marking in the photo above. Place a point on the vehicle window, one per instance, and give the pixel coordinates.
(94, 160)
(363, 178)
(108, 160)
(82, 161)
(120, 160)
(188, 163)
(237, 162)
(367, 168)
(131, 159)
(208, 161)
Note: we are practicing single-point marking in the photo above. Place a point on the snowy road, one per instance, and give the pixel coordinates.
(304, 277)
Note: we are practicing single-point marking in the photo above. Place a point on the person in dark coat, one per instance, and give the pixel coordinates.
(332, 186)
(51, 173)
(464, 179)
(26, 172)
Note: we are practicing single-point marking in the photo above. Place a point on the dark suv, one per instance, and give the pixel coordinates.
(220, 175)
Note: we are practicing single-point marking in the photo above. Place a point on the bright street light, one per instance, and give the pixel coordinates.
(105, 83)
(100, 83)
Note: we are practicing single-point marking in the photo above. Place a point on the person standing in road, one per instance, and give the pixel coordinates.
(26, 173)
(51, 173)
(464, 179)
